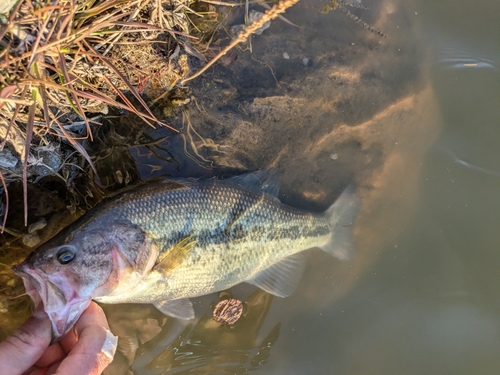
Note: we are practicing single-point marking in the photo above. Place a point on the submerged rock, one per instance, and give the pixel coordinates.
(228, 311)
(7, 160)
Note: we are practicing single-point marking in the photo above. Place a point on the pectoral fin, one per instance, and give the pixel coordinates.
(281, 278)
(179, 308)
(174, 256)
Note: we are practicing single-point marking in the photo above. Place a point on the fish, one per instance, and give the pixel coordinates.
(170, 240)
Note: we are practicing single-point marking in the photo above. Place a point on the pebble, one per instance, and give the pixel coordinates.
(31, 239)
(228, 311)
(40, 224)
(254, 16)
(7, 160)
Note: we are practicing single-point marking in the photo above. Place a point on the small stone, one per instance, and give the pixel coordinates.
(286, 55)
(236, 30)
(305, 61)
(7, 160)
(228, 311)
(40, 224)
(254, 16)
(46, 162)
(334, 156)
(31, 239)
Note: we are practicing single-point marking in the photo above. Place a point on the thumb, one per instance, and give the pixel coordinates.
(25, 346)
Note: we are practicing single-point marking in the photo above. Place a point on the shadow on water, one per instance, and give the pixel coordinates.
(153, 344)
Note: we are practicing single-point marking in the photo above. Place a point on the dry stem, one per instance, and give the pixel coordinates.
(271, 14)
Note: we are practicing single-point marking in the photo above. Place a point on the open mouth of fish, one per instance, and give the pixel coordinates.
(62, 304)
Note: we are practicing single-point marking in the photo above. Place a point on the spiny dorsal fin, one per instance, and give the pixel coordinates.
(158, 184)
(262, 181)
(175, 256)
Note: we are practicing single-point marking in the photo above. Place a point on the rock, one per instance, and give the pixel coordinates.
(40, 224)
(254, 16)
(228, 311)
(31, 239)
(7, 160)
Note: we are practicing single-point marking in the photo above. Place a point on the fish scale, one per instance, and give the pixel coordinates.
(237, 232)
(170, 240)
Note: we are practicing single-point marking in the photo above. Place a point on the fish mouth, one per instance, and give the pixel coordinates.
(61, 304)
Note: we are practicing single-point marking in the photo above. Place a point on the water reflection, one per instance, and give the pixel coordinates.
(154, 344)
(456, 59)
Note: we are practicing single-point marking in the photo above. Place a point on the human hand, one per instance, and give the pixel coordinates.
(85, 350)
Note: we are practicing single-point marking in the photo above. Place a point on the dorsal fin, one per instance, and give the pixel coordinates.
(261, 181)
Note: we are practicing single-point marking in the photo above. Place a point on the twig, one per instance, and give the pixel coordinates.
(264, 5)
(221, 3)
(268, 16)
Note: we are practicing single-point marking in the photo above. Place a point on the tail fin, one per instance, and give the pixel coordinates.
(342, 214)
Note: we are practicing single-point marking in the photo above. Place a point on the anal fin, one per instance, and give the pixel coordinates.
(280, 279)
(179, 308)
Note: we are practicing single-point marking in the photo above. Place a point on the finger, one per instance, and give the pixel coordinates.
(95, 347)
(53, 353)
(25, 346)
(69, 340)
(93, 315)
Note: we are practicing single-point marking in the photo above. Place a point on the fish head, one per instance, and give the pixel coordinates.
(64, 278)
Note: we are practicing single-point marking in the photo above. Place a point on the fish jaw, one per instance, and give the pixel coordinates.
(57, 297)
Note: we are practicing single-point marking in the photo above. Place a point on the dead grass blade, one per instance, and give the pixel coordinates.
(76, 99)
(271, 14)
(13, 13)
(6, 202)
(80, 149)
(29, 135)
(13, 118)
(132, 90)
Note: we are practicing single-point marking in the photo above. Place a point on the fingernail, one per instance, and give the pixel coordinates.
(109, 345)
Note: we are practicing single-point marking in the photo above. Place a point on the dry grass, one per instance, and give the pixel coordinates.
(64, 63)
(270, 15)
(65, 59)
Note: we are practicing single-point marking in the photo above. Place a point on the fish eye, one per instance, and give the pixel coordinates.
(65, 255)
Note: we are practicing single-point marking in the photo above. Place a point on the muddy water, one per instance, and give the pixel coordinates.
(411, 120)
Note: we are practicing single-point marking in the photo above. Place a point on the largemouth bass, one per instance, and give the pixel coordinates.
(170, 240)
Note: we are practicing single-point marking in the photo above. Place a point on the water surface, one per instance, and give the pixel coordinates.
(413, 121)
